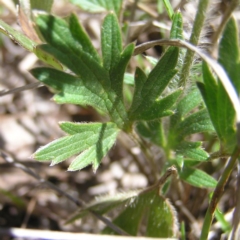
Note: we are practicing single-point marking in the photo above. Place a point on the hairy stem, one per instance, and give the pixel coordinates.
(218, 193)
(197, 27)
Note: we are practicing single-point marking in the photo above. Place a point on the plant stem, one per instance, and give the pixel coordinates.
(197, 27)
(218, 193)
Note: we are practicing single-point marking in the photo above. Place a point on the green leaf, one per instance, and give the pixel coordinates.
(197, 178)
(91, 141)
(29, 45)
(152, 130)
(111, 42)
(70, 45)
(195, 123)
(169, 8)
(129, 79)
(114, 60)
(154, 85)
(17, 37)
(177, 26)
(225, 225)
(192, 151)
(229, 56)
(219, 107)
(140, 79)
(99, 5)
(146, 208)
(189, 102)
(160, 108)
(154, 209)
(69, 38)
(71, 89)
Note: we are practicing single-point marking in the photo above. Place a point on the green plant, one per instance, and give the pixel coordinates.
(163, 110)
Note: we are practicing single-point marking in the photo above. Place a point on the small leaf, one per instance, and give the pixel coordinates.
(189, 102)
(197, 178)
(99, 5)
(169, 8)
(17, 37)
(28, 44)
(195, 123)
(94, 140)
(192, 151)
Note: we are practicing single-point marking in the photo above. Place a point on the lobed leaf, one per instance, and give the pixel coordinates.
(71, 89)
(92, 141)
(160, 108)
(155, 83)
(70, 44)
(68, 38)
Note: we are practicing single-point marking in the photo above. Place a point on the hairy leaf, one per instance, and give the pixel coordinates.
(177, 26)
(197, 178)
(144, 207)
(91, 141)
(155, 83)
(192, 151)
(219, 107)
(160, 108)
(70, 44)
(71, 89)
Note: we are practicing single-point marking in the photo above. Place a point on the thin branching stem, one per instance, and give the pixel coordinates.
(197, 27)
(218, 193)
(78, 202)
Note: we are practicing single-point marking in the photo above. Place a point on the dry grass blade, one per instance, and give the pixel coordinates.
(20, 89)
